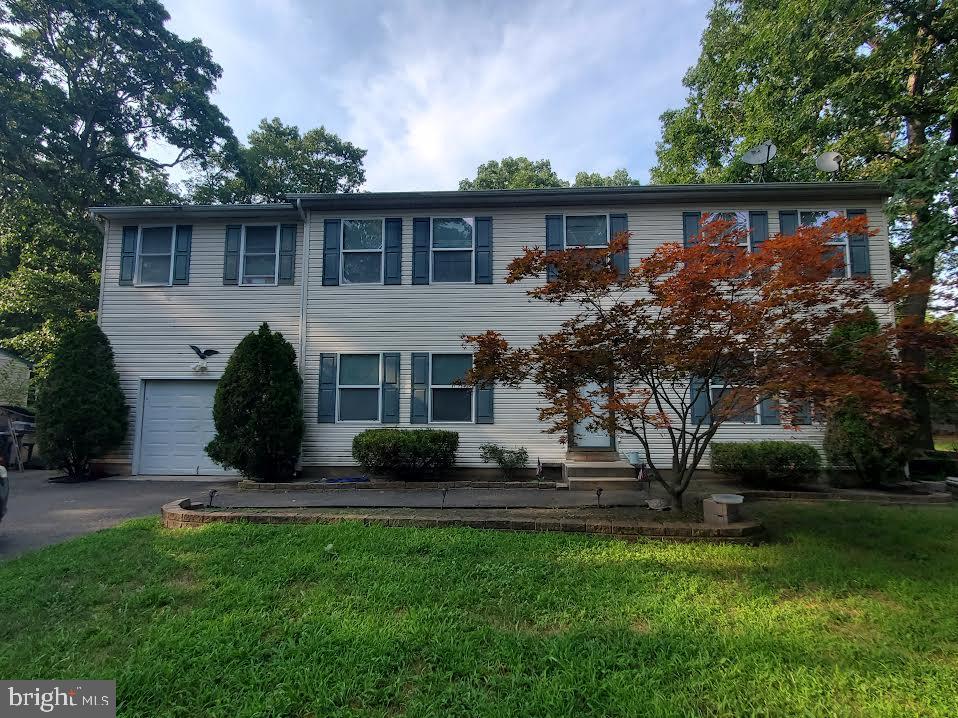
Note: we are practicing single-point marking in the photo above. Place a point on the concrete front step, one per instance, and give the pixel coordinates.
(617, 469)
(610, 483)
(592, 455)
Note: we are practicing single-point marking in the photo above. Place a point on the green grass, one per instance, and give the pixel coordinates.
(853, 611)
(946, 443)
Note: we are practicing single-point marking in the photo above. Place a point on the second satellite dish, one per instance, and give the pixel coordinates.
(760, 154)
(829, 162)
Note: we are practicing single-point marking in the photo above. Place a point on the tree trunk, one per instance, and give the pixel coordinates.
(913, 310)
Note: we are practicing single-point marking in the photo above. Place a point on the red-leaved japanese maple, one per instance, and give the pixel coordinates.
(711, 324)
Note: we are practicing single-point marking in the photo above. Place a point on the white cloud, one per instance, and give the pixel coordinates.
(433, 89)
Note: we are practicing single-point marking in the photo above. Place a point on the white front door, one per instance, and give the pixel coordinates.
(585, 438)
(177, 425)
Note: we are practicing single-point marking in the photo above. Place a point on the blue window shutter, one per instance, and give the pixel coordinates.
(393, 247)
(419, 411)
(181, 253)
(420, 250)
(690, 227)
(619, 223)
(768, 410)
(327, 388)
(858, 248)
(554, 242)
(787, 222)
(803, 417)
(128, 254)
(287, 253)
(231, 254)
(331, 252)
(699, 396)
(758, 221)
(483, 250)
(485, 412)
(390, 412)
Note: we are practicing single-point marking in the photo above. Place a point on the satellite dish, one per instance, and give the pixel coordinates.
(829, 162)
(760, 154)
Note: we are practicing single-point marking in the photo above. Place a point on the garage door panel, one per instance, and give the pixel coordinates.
(177, 425)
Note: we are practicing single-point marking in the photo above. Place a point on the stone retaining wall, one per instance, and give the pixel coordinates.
(745, 532)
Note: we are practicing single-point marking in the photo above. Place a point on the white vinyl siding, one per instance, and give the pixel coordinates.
(151, 328)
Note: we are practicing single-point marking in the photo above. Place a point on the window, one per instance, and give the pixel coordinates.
(749, 412)
(154, 260)
(453, 241)
(359, 386)
(739, 218)
(449, 401)
(818, 217)
(591, 230)
(362, 250)
(260, 247)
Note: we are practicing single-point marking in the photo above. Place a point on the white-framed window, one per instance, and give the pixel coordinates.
(259, 254)
(749, 414)
(818, 217)
(450, 402)
(585, 230)
(359, 387)
(452, 242)
(740, 221)
(361, 244)
(154, 256)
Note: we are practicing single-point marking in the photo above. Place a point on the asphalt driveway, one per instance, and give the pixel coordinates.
(41, 513)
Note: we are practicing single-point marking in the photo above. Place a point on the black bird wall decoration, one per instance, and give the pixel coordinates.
(205, 353)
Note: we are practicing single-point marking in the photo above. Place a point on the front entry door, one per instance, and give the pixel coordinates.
(585, 438)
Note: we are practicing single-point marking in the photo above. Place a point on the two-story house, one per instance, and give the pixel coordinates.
(375, 291)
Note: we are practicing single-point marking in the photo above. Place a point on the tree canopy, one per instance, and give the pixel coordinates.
(874, 80)
(692, 338)
(523, 173)
(86, 88)
(279, 159)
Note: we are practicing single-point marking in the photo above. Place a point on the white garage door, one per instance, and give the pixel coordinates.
(177, 424)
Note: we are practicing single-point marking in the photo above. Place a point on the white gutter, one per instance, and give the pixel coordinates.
(105, 228)
(304, 288)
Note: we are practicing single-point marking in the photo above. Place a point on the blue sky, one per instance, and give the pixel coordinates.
(432, 89)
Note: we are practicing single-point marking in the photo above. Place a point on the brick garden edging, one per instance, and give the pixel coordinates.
(247, 485)
(875, 497)
(184, 514)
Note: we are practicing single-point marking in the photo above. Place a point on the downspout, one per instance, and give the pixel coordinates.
(105, 228)
(304, 288)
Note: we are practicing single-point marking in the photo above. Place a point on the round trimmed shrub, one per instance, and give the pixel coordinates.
(407, 454)
(81, 410)
(769, 464)
(258, 410)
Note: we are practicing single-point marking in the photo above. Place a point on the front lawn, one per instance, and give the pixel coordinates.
(853, 611)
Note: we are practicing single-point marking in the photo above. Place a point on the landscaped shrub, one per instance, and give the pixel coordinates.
(81, 411)
(767, 463)
(258, 410)
(406, 454)
(509, 460)
(852, 442)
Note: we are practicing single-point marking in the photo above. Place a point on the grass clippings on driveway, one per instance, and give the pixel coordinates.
(850, 612)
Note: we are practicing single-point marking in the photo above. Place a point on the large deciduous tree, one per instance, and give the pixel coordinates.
(523, 173)
(279, 159)
(690, 339)
(876, 80)
(514, 173)
(86, 89)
